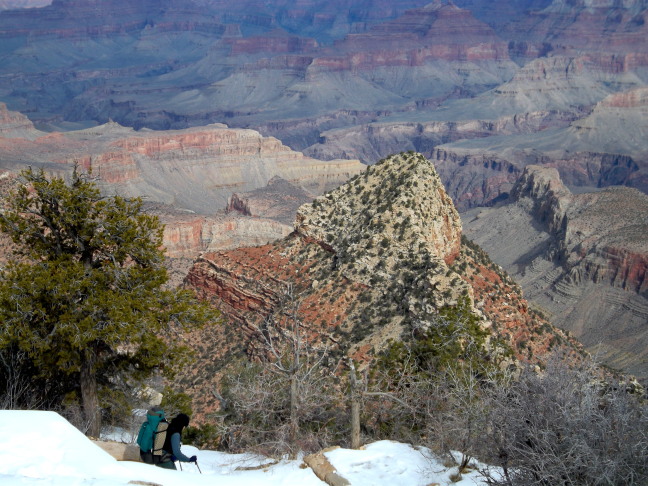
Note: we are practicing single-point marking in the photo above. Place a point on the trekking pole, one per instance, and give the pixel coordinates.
(196, 463)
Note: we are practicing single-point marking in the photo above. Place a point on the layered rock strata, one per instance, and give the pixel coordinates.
(185, 177)
(16, 125)
(244, 69)
(581, 257)
(369, 262)
(195, 169)
(600, 236)
(605, 148)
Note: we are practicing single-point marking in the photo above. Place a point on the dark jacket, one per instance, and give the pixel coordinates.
(173, 436)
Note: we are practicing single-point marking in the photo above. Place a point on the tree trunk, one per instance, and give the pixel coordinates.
(355, 407)
(89, 395)
(355, 422)
(294, 419)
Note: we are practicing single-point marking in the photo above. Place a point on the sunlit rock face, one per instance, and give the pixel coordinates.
(367, 263)
(582, 257)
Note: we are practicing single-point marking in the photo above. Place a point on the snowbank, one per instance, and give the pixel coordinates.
(42, 448)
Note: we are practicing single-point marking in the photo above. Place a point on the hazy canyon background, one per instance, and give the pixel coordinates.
(228, 116)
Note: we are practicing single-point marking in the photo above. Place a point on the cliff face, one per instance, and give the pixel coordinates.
(82, 19)
(297, 72)
(368, 262)
(599, 236)
(187, 236)
(16, 125)
(191, 63)
(195, 169)
(602, 149)
(279, 201)
(437, 31)
(582, 257)
(185, 177)
(372, 141)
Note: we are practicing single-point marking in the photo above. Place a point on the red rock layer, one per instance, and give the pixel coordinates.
(436, 32)
(600, 236)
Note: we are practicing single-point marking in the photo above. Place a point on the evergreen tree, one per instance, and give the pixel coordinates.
(86, 297)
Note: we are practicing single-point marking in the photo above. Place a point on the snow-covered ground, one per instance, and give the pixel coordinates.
(42, 448)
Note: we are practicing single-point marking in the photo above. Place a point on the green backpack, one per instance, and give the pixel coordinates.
(152, 435)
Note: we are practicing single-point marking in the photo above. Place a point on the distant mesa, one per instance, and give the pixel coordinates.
(185, 176)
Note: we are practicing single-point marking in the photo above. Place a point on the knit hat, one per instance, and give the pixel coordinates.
(182, 419)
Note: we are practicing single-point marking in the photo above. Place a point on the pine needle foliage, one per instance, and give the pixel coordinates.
(86, 297)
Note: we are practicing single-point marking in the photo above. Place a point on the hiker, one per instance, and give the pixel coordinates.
(171, 445)
(147, 433)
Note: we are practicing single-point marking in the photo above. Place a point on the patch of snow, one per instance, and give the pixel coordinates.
(43, 449)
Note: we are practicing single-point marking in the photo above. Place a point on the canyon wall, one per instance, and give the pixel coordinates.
(185, 177)
(581, 259)
(195, 169)
(602, 149)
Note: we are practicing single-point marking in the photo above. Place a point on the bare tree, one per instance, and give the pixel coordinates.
(19, 389)
(567, 426)
(284, 402)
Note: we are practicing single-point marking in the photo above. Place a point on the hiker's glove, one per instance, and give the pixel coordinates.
(193, 459)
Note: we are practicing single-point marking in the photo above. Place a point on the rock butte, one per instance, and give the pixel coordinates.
(367, 262)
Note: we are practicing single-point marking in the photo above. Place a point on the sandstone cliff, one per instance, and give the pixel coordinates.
(186, 177)
(369, 262)
(195, 169)
(581, 257)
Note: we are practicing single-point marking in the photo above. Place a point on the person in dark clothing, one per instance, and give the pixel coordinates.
(172, 443)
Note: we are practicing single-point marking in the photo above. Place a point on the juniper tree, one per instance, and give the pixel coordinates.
(85, 298)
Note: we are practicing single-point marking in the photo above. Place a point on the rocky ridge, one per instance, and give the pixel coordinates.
(185, 176)
(604, 148)
(582, 257)
(370, 262)
(194, 169)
